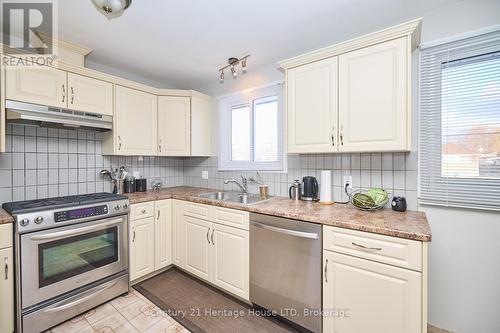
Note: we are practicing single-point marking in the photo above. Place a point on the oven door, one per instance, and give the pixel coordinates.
(59, 260)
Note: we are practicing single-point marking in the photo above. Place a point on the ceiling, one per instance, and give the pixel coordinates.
(182, 44)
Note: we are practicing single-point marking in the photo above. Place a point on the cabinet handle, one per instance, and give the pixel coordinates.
(159, 146)
(367, 248)
(119, 142)
(333, 137)
(326, 271)
(64, 93)
(133, 236)
(208, 231)
(341, 135)
(158, 216)
(72, 95)
(212, 237)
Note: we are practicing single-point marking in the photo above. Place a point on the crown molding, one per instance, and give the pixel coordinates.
(411, 28)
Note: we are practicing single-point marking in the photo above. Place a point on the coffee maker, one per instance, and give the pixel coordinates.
(310, 189)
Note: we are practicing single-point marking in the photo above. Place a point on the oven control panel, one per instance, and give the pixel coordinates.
(79, 213)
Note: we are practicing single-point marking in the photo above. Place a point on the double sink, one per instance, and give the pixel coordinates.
(242, 198)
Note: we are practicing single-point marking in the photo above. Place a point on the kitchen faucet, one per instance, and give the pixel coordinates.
(242, 185)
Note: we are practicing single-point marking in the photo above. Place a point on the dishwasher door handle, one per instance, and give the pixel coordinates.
(295, 233)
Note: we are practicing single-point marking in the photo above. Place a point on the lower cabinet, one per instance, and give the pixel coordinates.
(218, 254)
(150, 237)
(142, 247)
(177, 234)
(163, 234)
(7, 291)
(379, 298)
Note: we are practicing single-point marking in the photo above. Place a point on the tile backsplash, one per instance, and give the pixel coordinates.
(46, 162)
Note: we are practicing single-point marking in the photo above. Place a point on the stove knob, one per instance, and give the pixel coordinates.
(117, 207)
(125, 206)
(24, 222)
(38, 220)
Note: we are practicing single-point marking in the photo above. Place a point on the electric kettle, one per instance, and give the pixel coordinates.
(310, 185)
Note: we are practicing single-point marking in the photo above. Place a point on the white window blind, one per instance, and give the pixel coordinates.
(460, 123)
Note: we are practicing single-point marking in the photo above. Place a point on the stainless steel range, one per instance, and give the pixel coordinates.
(71, 255)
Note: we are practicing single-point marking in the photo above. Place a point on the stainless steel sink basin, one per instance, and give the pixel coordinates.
(247, 199)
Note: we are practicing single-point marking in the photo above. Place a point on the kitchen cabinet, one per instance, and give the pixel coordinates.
(230, 259)
(373, 88)
(353, 96)
(202, 124)
(45, 86)
(90, 95)
(380, 298)
(177, 234)
(58, 88)
(135, 124)
(312, 107)
(217, 253)
(198, 248)
(6, 279)
(163, 234)
(174, 126)
(142, 247)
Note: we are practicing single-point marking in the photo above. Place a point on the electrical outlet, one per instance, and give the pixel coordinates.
(348, 182)
(204, 174)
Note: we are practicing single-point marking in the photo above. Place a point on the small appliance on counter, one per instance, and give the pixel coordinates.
(295, 191)
(310, 189)
(398, 204)
(141, 185)
(129, 186)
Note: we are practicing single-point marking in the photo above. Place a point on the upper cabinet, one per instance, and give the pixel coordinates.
(202, 124)
(174, 126)
(58, 88)
(45, 86)
(353, 96)
(135, 123)
(312, 107)
(373, 108)
(90, 95)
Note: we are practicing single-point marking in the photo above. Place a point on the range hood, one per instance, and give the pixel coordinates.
(47, 116)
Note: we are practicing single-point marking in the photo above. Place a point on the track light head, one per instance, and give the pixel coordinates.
(221, 77)
(244, 65)
(233, 71)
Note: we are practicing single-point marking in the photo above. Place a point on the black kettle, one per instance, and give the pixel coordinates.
(310, 187)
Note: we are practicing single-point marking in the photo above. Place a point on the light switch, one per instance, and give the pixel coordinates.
(204, 174)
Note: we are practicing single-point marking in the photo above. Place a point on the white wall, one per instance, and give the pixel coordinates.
(464, 263)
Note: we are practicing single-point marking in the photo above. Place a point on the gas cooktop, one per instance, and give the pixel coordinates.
(30, 206)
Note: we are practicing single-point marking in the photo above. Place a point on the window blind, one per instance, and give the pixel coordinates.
(459, 127)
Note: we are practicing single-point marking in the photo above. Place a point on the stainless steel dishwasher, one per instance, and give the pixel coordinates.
(285, 268)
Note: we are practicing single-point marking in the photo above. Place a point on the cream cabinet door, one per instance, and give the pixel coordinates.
(44, 86)
(373, 88)
(163, 234)
(177, 234)
(135, 122)
(174, 126)
(7, 291)
(198, 248)
(312, 107)
(231, 260)
(202, 123)
(380, 298)
(142, 247)
(90, 95)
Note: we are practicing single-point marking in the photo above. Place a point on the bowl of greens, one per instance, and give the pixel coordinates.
(373, 199)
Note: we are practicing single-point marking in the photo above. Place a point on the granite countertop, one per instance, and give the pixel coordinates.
(410, 224)
(5, 217)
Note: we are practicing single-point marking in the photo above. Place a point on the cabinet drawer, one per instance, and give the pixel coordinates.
(142, 210)
(198, 210)
(385, 249)
(231, 217)
(6, 237)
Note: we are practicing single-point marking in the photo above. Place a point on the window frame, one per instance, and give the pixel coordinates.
(248, 97)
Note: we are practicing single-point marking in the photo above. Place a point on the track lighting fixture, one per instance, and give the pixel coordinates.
(232, 62)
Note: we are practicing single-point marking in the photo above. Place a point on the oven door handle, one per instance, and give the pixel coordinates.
(80, 300)
(69, 233)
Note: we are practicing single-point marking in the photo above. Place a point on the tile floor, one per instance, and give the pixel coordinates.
(132, 313)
